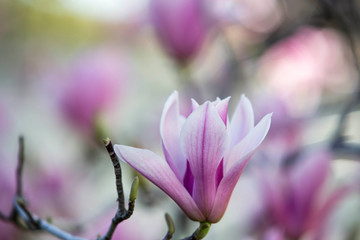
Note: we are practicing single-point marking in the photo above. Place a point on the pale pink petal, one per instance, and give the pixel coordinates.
(194, 105)
(306, 180)
(272, 188)
(158, 172)
(242, 121)
(226, 188)
(204, 139)
(251, 141)
(170, 127)
(237, 161)
(274, 234)
(222, 108)
(217, 100)
(318, 220)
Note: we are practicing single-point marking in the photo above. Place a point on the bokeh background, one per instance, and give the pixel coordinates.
(74, 72)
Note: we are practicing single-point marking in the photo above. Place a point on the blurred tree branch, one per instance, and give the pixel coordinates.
(21, 216)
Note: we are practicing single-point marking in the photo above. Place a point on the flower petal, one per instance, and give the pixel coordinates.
(242, 121)
(306, 179)
(204, 139)
(194, 105)
(250, 142)
(222, 108)
(318, 219)
(235, 165)
(158, 172)
(226, 188)
(170, 127)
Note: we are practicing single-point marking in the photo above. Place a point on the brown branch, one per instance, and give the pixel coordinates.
(19, 171)
(21, 216)
(118, 174)
(121, 214)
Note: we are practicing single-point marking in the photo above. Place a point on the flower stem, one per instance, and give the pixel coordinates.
(200, 232)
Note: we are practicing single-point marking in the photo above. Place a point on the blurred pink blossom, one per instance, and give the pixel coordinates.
(296, 200)
(141, 225)
(181, 26)
(300, 67)
(94, 82)
(47, 192)
(285, 135)
(7, 191)
(273, 234)
(205, 154)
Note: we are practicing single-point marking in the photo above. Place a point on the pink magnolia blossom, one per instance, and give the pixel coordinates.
(286, 133)
(93, 84)
(205, 154)
(181, 26)
(300, 67)
(296, 200)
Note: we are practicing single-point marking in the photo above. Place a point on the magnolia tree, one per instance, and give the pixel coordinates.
(297, 62)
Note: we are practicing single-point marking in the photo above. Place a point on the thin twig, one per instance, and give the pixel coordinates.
(171, 227)
(20, 167)
(118, 174)
(121, 214)
(20, 215)
(347, 150)
(346, 16)
(43, 225)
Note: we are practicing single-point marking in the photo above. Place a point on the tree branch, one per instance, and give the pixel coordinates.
(118, 174)
(121, 214)
(19, 170)
(22, 217)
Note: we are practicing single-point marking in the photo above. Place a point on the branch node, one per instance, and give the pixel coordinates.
(171, 227)
(134, 189)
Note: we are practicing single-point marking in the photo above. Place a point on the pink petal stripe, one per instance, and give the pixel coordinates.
(242, 121)
(170, 127)
(238, 160)
(204, 139)
(272, 188)
(250, 142)
(306, 179)
(222, 108)
(226, 188)
(158, 172)
(318, 220)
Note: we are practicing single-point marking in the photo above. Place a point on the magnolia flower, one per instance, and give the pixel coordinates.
(94, 82)
(286, 133)
(205, 154)
(181, 26)
(298, 69)
(295, 197)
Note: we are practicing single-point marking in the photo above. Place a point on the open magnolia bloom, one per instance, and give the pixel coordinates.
(205, 154)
